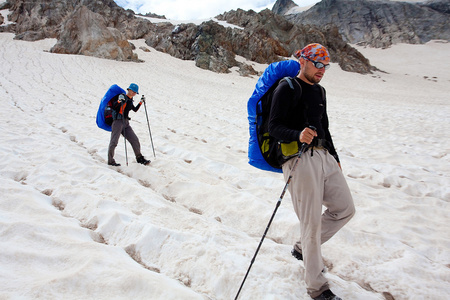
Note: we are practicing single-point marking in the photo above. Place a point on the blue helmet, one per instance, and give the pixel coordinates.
(134, 87)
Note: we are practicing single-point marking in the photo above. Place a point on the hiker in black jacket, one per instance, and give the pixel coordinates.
(317, 179)
(121, 105)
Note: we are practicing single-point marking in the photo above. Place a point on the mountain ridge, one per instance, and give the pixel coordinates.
(377, 23)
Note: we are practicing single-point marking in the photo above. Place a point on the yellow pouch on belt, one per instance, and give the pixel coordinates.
(289, 149)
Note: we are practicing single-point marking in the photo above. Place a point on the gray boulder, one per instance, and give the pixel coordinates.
(111, 26)
(85, 32)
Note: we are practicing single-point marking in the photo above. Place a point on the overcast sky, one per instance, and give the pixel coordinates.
(198, 9)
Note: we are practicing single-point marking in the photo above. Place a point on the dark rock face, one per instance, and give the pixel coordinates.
(287, 37)
(442, 6)
(85, 32)
(262, 37)
(214, 47)
(379, 23)
(283, 6)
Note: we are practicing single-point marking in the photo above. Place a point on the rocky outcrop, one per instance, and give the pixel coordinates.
(262, 37)
(125, 21)
(96, 28)
(288, 37)
(152, 15)
(208, 44)
(379, 23)
(442, 6)
(35, 21)
(281, 7)
(214, 47)
(85, 32)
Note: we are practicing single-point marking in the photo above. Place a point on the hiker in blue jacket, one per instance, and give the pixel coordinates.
(318, 178)
(121, 105)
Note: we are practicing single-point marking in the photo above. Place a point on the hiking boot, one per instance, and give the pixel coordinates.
(141, 159)
(297, 254)
(327, 295)
(114, 164)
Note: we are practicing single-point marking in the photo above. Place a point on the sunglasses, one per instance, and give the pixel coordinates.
(318, 64)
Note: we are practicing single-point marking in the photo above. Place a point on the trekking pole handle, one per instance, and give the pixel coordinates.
(304, 145)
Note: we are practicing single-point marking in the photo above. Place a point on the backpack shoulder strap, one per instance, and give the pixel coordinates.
(290, 81)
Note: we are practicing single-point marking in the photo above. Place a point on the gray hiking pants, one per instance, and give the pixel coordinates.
(318, 181)
(123, 127)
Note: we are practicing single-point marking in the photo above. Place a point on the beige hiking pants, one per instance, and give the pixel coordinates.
(317, 181)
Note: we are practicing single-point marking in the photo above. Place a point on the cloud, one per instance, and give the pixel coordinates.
(197, 9)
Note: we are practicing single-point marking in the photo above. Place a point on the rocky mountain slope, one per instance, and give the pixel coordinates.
(378, 23)
(289, 37)
(102, 29)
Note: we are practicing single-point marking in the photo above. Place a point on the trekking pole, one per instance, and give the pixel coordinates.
(302, 149)
(124, 134)
(125, 141)
(148, 123)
